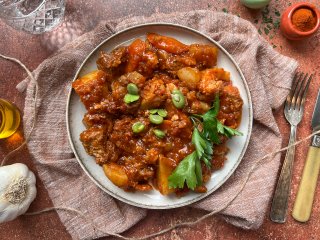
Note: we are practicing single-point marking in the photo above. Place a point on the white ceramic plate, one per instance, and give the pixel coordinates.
(153, 199)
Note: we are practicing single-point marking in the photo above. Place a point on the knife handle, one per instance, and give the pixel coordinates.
(303, 203)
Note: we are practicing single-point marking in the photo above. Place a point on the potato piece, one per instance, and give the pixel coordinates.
(91, 87)
(116, 174)
(205, 55)
(153, 94)
(190, 77)
(166, 166)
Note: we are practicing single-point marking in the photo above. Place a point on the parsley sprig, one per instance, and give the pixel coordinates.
(205, 134)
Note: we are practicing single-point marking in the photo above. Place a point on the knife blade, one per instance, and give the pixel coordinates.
(303, 204)
(316, 115)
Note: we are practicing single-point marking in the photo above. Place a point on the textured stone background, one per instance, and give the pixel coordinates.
(82, 16)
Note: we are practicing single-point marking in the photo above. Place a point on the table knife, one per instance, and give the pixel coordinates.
(304, 200)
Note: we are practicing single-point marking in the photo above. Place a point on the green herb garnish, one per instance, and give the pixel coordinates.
(270, 22)
(227, 131)
(276, 24)
(189, 169)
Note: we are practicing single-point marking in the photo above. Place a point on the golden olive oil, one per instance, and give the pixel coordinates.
(9, 118)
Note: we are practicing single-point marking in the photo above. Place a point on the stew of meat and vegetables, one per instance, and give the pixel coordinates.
(159, 113)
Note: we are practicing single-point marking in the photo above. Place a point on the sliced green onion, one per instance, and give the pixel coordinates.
(159, 133)
(162, 112)
(156, 119)
(129, 98)
(178, 99)
(132, 89)
(138, 127)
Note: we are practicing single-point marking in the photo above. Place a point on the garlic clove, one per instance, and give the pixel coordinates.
(17, 190)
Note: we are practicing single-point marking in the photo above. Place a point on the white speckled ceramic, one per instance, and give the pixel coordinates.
(153, 199)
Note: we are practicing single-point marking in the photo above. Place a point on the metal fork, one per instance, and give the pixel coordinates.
(293, 111)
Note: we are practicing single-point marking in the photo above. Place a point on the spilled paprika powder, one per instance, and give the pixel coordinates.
(304, 19)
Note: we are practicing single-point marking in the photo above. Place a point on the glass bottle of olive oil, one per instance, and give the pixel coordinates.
(9, 119)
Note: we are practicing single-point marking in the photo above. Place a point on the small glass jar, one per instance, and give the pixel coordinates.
(9, 118)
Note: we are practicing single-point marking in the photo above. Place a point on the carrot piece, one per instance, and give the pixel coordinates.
(168, 44)
(136, 50)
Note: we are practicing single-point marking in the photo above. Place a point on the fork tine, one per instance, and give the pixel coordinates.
(297, 91)
(298, 95)
(296, 78)
(304, 93)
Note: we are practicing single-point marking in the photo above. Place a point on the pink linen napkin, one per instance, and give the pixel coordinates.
(268, 73)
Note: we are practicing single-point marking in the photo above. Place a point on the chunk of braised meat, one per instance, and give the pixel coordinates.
(132, 77)
(96, 144)
(114, 107)
(221, 74)
(91, 88)
(212, 82)
(152, 156)
(172, 85)
(168, 44)
(113, 62)
(124, 138)
(219, 156)
(230, 106)
(149, 62)
(172, 63)
(141, 60)
(196, 106)
(152, 141)
(179, 125)
(113, 104)
(209, 84)
(119, 86)
(102, 119)
(204, 55)
(153, 94)
(137, 170)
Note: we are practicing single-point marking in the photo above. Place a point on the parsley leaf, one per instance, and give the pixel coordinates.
(203, 147)
(189, 171)
(227, 131)
(199, 142)
(210, 122)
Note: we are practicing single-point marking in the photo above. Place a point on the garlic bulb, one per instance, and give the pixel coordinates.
(17, 191)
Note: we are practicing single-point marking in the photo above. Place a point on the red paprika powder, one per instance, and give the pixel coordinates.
(304, 19)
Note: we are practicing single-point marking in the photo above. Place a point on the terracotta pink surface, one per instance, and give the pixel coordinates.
(32, 50)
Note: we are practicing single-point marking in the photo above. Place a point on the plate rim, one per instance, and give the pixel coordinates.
(235, 166)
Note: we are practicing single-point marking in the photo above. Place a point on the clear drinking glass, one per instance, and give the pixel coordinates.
(32, 16)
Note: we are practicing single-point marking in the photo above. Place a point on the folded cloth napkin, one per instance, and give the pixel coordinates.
(269, 77)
